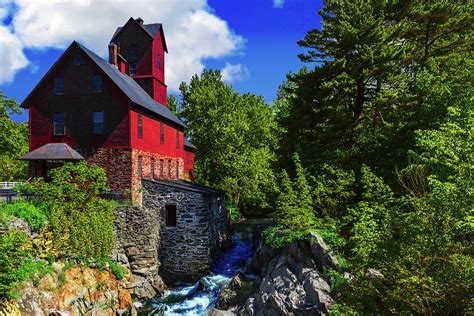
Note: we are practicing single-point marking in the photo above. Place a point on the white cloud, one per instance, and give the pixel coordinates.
(278, 3)
(192, 31)
(11, 55)
(234, 72)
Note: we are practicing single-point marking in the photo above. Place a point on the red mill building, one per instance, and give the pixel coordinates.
(113, 114)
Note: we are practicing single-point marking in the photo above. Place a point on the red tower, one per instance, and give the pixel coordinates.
(141, 54)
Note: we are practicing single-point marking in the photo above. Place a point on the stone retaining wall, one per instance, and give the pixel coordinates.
(137, 231)
(185, 249)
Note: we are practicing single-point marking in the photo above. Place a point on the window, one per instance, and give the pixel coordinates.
(152, 168)
(132, 52)
(177, 139)
(169, 168)
(98, 122)
(140, 126)
(177, 169)
(161, 168)
(162, 133)
(77, 60)
(59, 85)
(158, 62)
(170, 215)
(59, 124)
(133, 69)
(98, 86)
(140, 167)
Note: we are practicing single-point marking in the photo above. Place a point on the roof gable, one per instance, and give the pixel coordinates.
(150, 29)
(125, 83)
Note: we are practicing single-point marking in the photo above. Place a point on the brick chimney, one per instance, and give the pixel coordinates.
(140, 21)
(113, 54)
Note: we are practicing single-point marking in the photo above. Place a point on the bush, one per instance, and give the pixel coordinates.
(13, 249)
(33, 270)
(80, 220)
(35, 214)
(294, 203)
(280, 236)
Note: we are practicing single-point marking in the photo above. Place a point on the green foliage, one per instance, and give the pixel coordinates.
(333, 190)
(13, 250)
(389, 78)
(294, 202)
(234, 137)
(13, 142)
(33, 270)
(105, 263)
(336, 279)
(421, 241)
(280, 236)
(36, 215)
(81, 221)
(234, 212)
(368, 217)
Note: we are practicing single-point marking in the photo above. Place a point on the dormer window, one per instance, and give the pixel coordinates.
(98, 86)
(133, 69)
(77, 60)
(158, 62)
(132, 52)
(59, 124)
(59, 85)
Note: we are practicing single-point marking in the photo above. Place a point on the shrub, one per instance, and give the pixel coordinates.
(280, 236)
(35, 214)
(112, 266)
(80, 220)
(13, 249)
(33, 270)
(294, 203)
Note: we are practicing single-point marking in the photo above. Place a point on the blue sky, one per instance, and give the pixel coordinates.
(255, 38)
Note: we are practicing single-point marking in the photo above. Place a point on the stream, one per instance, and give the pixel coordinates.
(195, 299)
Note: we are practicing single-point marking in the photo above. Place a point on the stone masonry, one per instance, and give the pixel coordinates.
(137, 231)
(201, 227)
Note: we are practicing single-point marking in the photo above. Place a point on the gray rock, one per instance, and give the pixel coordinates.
(373, 274)
(122, 258)
(146, 291)
(322, 253)
(293, 282)
(218, 312)
(236, 292)
(20, 224)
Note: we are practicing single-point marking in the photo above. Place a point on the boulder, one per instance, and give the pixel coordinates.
(321, 252)
(236, 292)
(262, 256)
(373, 274)
(218, 312)
(292, 280)
(20, 224)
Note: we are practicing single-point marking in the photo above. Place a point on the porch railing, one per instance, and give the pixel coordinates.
(7, 185)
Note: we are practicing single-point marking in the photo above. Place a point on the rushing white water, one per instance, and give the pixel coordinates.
(196, 299)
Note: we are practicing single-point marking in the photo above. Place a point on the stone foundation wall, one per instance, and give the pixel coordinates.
(185, 250)
(137, 233)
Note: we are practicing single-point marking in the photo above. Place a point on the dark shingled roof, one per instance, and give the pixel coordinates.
(186, 185)
(53, 151)
(187, 143)
(151, 29)
(131, 88)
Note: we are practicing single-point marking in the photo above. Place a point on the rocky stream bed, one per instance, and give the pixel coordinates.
(253, 279)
